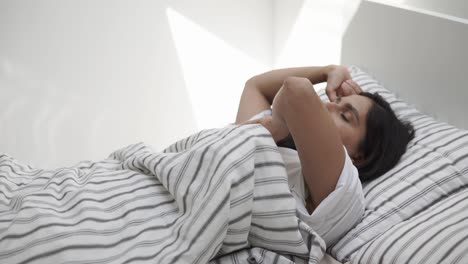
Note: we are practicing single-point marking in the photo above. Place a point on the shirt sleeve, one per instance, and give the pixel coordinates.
(341, 209)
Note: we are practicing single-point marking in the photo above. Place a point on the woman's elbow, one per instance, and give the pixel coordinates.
(297, 88)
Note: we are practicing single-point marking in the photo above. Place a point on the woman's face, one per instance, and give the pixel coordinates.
(350, 116)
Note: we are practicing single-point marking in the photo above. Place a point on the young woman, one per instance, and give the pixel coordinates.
(329, 148)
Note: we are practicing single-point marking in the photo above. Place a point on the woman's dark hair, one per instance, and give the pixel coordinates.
(384, 143)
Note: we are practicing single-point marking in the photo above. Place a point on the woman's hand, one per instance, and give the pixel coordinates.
(339, 83)
(278, 129)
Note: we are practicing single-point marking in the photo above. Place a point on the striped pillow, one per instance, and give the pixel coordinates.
(417, 210)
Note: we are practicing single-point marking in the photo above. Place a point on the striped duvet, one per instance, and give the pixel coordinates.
(219, 195)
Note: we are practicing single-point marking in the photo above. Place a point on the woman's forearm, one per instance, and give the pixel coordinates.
(315, 135)
(260, 90)
(270, 82)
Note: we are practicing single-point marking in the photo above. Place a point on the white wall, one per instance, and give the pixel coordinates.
(309, 32)
(79, 79)
(419, 56)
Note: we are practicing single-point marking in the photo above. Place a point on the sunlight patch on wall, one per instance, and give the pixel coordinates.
(315, 38)
(214, 71)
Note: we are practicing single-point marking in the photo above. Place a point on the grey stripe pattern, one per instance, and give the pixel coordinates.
(412, 211)
(437, 235)
(261, 255)
(206, 196)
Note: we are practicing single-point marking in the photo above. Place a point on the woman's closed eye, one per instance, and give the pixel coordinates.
(343, 116)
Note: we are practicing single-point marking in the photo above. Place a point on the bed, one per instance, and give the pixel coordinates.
(140, 205)
(149, 206)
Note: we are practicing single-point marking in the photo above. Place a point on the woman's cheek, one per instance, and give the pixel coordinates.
(346, 135)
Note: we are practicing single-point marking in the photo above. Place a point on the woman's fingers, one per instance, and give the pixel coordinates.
(350, 87)
(357, 89)
(331, 93)
(347, 89)
(339, 93)
(277, 129)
